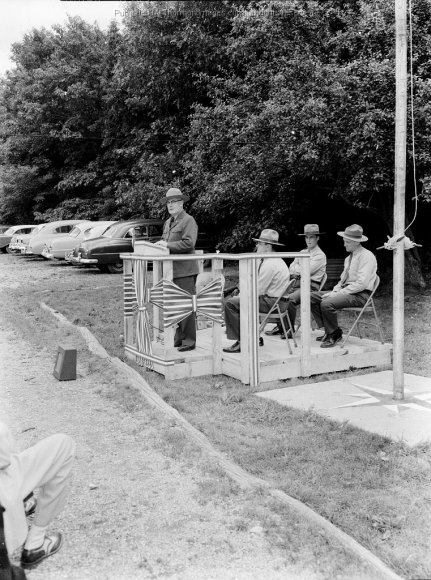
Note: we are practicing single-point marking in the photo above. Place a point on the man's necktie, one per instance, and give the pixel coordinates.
(346, 276)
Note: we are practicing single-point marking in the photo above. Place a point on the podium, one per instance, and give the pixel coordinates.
(153, 304)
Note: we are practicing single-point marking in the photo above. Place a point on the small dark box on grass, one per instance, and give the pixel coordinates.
(65, 365)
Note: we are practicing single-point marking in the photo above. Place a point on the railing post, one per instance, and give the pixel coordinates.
(249, 322)
(157, 313)
(216, 270)
(169, 332)
(305, 317)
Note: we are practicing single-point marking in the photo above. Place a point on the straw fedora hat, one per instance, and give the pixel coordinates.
(353, 233)
(268, 237)
(311, 230)
(174, 194)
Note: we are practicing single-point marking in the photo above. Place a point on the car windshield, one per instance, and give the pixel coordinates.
(115, 231)
(100, 231)
(105, 230)
(75, 232)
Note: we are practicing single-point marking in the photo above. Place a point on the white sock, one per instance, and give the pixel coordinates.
(35, 537)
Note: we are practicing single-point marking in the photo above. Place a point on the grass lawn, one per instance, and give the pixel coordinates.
(376, 490)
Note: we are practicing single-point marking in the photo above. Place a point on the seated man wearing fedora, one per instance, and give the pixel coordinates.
(180, 233)
(317, 271)
(273, 277)
(353, 289)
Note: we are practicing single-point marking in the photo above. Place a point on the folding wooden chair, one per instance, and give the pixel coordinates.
(369, 306)
(277, 315)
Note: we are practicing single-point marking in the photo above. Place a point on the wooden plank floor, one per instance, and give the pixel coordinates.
(275, 361)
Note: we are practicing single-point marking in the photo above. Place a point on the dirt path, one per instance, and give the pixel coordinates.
(144, 503)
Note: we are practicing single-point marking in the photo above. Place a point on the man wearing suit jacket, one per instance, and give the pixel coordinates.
(180, 233)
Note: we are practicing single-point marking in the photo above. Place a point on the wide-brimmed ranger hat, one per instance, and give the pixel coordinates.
(173, 194)
(311, 230)
(268, 237)
(353, 233)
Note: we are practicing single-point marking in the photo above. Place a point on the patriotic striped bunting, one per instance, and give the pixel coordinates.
(178, 304)
(143, 339)
(129, 295)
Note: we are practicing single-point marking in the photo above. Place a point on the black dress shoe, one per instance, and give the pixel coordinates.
(323, 337)
(51, 544)
(236, 347)
(274, 331)
(261, 341)
(332, 339)
(185, 347)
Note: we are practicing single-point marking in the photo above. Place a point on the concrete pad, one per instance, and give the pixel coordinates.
(366, 402)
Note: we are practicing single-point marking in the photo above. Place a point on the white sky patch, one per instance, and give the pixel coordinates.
(18, 17)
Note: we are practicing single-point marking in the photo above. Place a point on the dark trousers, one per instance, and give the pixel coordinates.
(186, 331)
(295, 300)
(232, 313)
(325, 309)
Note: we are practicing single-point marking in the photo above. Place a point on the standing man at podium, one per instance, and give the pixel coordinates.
(180, 233)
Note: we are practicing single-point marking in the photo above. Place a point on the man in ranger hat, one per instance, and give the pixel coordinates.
(273, 277)
(180, 233)
(317, 271)
(353, 289)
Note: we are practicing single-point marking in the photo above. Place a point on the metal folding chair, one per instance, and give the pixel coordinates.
(277, 315)
(369, 306)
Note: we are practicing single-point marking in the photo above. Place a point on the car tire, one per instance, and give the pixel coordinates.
(9, 251)
(116, 268)
(4, 250)
(103, 268)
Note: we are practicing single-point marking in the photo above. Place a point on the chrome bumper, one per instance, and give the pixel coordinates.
(46, 254)
(79, 260)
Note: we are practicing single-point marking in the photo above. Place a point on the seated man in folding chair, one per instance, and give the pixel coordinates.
(46, 465)
(353, 289)
(273, 277)
(317, 272)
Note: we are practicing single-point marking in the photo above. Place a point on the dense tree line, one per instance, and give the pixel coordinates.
(269, 113)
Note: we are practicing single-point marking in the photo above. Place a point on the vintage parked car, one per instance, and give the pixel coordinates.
(61, 227)
(6, 237)
(56, 247)
(104, 252)
(94, 232)
(19, 243)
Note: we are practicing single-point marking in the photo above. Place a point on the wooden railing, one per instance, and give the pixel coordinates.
(249, 315)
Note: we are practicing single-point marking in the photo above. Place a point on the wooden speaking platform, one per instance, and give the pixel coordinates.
(149, 341)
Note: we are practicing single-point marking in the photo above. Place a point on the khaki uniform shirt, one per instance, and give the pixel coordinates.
(273, 277)
(359, 274)
(317, 264)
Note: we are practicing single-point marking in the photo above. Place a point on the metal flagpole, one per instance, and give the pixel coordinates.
(399, 194)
